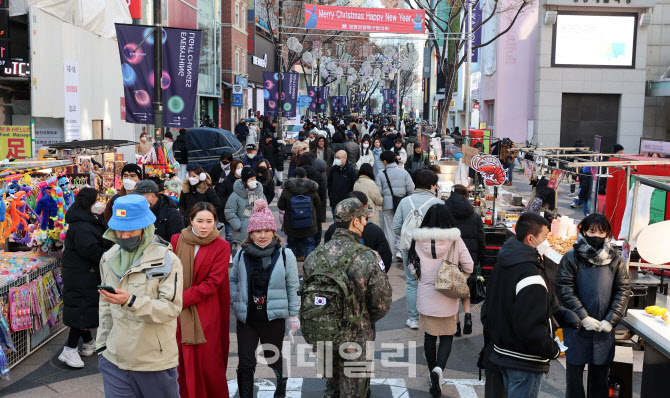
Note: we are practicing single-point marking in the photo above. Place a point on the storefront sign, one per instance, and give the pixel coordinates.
(262, 62)
(468, 153)
(659, 147)
(556, 179)
(15, 142)
(45, 136)
(238, 97)
(242, 81)
(72, 110)
(365, 19)
(251, 26)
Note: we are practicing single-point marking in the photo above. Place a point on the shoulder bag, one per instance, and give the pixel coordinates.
(396, 199)
(451, 280)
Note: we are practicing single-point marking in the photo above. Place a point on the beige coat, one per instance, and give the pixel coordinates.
(141, 335)
(369, 187)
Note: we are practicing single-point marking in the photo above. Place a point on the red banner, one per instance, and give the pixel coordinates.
(365, 19)
(556, 179)
(135, 7)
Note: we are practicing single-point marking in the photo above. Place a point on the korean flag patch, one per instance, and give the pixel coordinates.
(381, 265)
(319, 300)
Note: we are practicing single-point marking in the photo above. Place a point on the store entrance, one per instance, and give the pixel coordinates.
(584, 116)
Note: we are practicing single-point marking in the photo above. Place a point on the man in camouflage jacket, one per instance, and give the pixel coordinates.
(373, 292)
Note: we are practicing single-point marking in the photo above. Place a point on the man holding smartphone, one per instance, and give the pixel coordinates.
(136, 338)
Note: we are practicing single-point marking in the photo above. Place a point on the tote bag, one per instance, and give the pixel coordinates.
(451, 280)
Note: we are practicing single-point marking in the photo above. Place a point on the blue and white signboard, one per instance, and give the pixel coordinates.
(238, 97)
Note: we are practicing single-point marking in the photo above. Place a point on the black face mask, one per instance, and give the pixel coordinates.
(225, 163)
(130, 244)
(262, 170)
(595, 242)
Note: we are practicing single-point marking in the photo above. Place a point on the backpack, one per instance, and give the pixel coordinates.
(412, 222)
(301, 212)
(327, 300)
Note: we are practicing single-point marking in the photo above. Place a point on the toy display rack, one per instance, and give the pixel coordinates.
(12, 169)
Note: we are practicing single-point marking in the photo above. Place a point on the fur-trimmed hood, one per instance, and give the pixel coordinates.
(445, 239)
(201, 187)
(300, 186)
(427, 234)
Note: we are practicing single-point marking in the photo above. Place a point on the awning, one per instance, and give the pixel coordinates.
(658, 88)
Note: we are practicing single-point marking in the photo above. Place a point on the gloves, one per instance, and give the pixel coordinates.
(591, 324)
(605, 327)
(293, 323)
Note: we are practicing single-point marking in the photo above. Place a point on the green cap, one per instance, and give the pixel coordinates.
(348, 209)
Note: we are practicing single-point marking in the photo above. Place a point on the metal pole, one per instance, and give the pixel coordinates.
(280, 113)
(468, 93)
(397, 91)
(158, 71)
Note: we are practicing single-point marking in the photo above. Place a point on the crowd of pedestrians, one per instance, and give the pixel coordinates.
(158, 283)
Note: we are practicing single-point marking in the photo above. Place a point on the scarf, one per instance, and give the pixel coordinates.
(252, 197)
(123, 260)
(265, 255)
(603, 256)
(225, 168)
(191, 329)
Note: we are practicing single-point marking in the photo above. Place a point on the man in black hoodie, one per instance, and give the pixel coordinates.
(519, 321)
(168, 219)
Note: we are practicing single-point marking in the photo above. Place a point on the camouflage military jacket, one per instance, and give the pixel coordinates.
(367, 275)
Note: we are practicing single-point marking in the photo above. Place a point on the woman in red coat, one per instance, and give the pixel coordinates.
(202, 332)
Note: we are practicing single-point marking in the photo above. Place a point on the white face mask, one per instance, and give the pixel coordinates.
(252, 184)
(143, 139)
(129, 184)
(366, 145)
(337, 162)
(251, 155)
(542, 247)
(238, 172)
(193, 180)
(97, 208)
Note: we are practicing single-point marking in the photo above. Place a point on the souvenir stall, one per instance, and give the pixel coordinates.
(650, 240)
(160, 166)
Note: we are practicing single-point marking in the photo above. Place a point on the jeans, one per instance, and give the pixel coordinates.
(229, 233)
(597, 381)
(520, 384)
(386, 220)
(586, 206)
(332, 209)
(319, 234)
(301, 247)
(510, 172)
(411, 286)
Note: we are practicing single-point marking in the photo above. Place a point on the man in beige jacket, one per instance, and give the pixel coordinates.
(140, 302)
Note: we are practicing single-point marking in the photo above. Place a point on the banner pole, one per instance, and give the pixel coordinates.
(397, 91)
(158, 72)
(468, 90)
(280, 80)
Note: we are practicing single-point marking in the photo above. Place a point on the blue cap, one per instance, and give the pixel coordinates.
(131, 213)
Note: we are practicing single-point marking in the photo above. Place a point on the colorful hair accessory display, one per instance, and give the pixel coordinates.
(19, 307)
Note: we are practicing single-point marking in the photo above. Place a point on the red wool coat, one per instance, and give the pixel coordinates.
(202, 368)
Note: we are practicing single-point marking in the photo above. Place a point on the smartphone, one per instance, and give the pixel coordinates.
(108, 289)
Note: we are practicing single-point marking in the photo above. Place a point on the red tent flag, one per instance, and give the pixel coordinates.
(382, 20)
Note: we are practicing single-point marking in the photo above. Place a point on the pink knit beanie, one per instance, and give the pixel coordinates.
(262, 218)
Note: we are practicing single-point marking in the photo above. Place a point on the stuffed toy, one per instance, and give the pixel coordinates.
(46, 207)
(16, 217)
(173, 189)
(64, 184)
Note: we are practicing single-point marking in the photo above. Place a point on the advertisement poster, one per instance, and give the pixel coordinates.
(72, 110)
(365, 19)
(311, 93)
(323, 93)
(15, 142)
(179, 80)
(490, 168)
(556, 179)
(528, 169)
(289, 94)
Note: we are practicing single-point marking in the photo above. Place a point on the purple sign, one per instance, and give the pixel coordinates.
(289, 94)
(179, 81)
(311, 93)
(388, 104)
(323, 93)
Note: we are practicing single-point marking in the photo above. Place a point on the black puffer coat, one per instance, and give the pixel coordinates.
(571, 264)
(84, 246)
(272, 152)
(225, 189)
(168, 219)
(320, 180)
(190, 196)
(470, 225)
(294, 187)
(374, 238)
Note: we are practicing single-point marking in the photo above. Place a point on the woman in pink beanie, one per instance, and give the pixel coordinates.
(264, 296)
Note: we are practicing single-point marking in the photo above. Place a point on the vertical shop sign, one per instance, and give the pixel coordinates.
(323, 92)
(251, 26)
(556, 179)
(311, 92)
(72, 111)
(15, 142)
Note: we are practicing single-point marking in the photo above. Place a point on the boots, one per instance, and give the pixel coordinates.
(280, 391)
(458, 329)
(467, 327)
(245, 383)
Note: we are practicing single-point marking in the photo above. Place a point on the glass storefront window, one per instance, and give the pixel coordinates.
(207, 23)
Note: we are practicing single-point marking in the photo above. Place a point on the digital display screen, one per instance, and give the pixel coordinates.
(594, 40)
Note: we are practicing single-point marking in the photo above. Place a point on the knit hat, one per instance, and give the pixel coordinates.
(247, 173)
(132, 168)
(298, 146)
(262, 218)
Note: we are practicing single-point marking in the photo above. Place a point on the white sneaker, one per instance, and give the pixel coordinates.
(412, 324)
(398, 255)
(71, 357)
(435, 382)
(88, 349)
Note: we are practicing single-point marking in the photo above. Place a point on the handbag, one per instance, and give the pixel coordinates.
(476, 286)
(451, 280)
(396, 199)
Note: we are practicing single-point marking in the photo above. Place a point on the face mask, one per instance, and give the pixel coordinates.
(238, 172)
(130, 244)
(193, 180)
(143, 139)
(337, 162)
(251, 155)
(595, 242)
(252, 184)
(262, 169)
(129, 184)
(542, 247)
(225, 164)
(366, 145)
(97, 208)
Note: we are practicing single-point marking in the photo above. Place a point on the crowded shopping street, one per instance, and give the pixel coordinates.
(283, 198)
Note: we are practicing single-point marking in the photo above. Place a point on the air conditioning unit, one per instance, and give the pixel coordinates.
(645, 19)
(550, 17)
